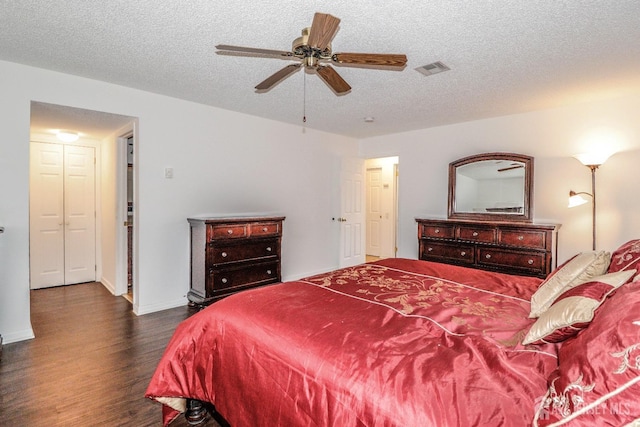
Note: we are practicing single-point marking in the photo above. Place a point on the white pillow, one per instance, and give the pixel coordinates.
(578, 269)
(573, 310)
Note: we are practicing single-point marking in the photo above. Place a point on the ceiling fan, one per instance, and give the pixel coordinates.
(511, 167)
(313, 53)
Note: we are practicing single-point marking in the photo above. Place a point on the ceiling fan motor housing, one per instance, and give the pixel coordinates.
(310, 55)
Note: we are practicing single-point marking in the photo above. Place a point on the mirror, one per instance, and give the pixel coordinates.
(492, 187)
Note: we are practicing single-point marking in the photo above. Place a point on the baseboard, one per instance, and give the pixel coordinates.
(107, 284)
(292, 277)
(140, 311)
(24, 335)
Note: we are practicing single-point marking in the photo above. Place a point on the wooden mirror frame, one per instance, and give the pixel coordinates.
(477, 216)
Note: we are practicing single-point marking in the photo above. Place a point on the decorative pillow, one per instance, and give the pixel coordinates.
(626, 257)
(597, 381)
(573, 309)
(576, 270)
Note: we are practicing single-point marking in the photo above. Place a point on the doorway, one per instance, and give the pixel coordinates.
(103, 132)
(62, 214)
(381, 207)
(128, 141)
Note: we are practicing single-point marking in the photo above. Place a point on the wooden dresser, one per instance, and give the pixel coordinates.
(520, 248)
(232, 254)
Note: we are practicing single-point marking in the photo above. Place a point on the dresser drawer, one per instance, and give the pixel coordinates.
(531, 261)
(230, 231)
(511, 247)
(437, 231)
(520, 238)
(441, 251)
(253, 275)
(265, 229)
(484, 235)
(230, 253)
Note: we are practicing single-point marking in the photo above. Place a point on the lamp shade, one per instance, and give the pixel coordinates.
(576, 200)
(593, 159)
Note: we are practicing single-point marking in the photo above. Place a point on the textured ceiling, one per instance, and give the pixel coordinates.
(505, 57)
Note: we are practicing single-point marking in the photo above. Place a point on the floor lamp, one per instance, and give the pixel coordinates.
(592, 161)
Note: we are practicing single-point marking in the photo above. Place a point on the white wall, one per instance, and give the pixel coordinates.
(224, 163)
(552, 137)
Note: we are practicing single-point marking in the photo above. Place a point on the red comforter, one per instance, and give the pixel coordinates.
(391, 343)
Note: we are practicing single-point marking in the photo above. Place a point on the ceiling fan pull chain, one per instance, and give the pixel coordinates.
(304, 97)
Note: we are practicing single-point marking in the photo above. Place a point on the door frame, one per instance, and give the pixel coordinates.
(122, 214)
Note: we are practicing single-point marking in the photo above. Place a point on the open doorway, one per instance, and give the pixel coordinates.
(101, 132)
(381, 207)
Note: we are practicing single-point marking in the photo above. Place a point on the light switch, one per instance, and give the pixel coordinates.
(168, 173)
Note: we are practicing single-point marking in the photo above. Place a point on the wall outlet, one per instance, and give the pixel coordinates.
(168, 173)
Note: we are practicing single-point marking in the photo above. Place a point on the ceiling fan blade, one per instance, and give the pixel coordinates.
(372, 59)
(226, 49)
(277, 77)
(508, 168)
(333, 79)
(323, 29)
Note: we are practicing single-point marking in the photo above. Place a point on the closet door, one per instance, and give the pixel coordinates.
(62, 215)
(79, 213)
(46, 221)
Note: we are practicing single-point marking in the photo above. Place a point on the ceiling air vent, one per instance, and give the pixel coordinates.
(433, 68)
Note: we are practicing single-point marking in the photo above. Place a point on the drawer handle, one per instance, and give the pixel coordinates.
(265, 229)
(488, 256)
(429, 249)
(269, 249)
(530, 261)
(463, 253)
(475, 234)
(224, 254)
(224, 280)
(229, 231)
(520, 238)
(269, 272)
(437, 231)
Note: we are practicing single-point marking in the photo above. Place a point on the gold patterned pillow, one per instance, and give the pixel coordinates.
(597, 381)
(578, 269)
(626, 257)
(574, 309)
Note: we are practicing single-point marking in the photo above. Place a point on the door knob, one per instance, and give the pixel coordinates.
(342, 219)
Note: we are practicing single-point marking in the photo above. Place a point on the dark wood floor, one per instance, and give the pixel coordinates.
(89, 364)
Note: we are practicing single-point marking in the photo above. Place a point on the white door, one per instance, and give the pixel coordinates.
(374, 211)
(62, 215)
(352, 215)
(46, 220)
(80, 215)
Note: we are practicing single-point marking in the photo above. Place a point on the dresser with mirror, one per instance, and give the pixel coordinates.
(489, 223)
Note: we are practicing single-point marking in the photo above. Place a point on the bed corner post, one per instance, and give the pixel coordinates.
(196, 412)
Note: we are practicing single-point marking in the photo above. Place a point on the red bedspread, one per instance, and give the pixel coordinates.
(383, 344)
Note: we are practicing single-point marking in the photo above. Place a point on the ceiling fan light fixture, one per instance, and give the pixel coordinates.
(433, 68)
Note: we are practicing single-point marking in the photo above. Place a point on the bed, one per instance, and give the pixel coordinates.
(403, 342)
